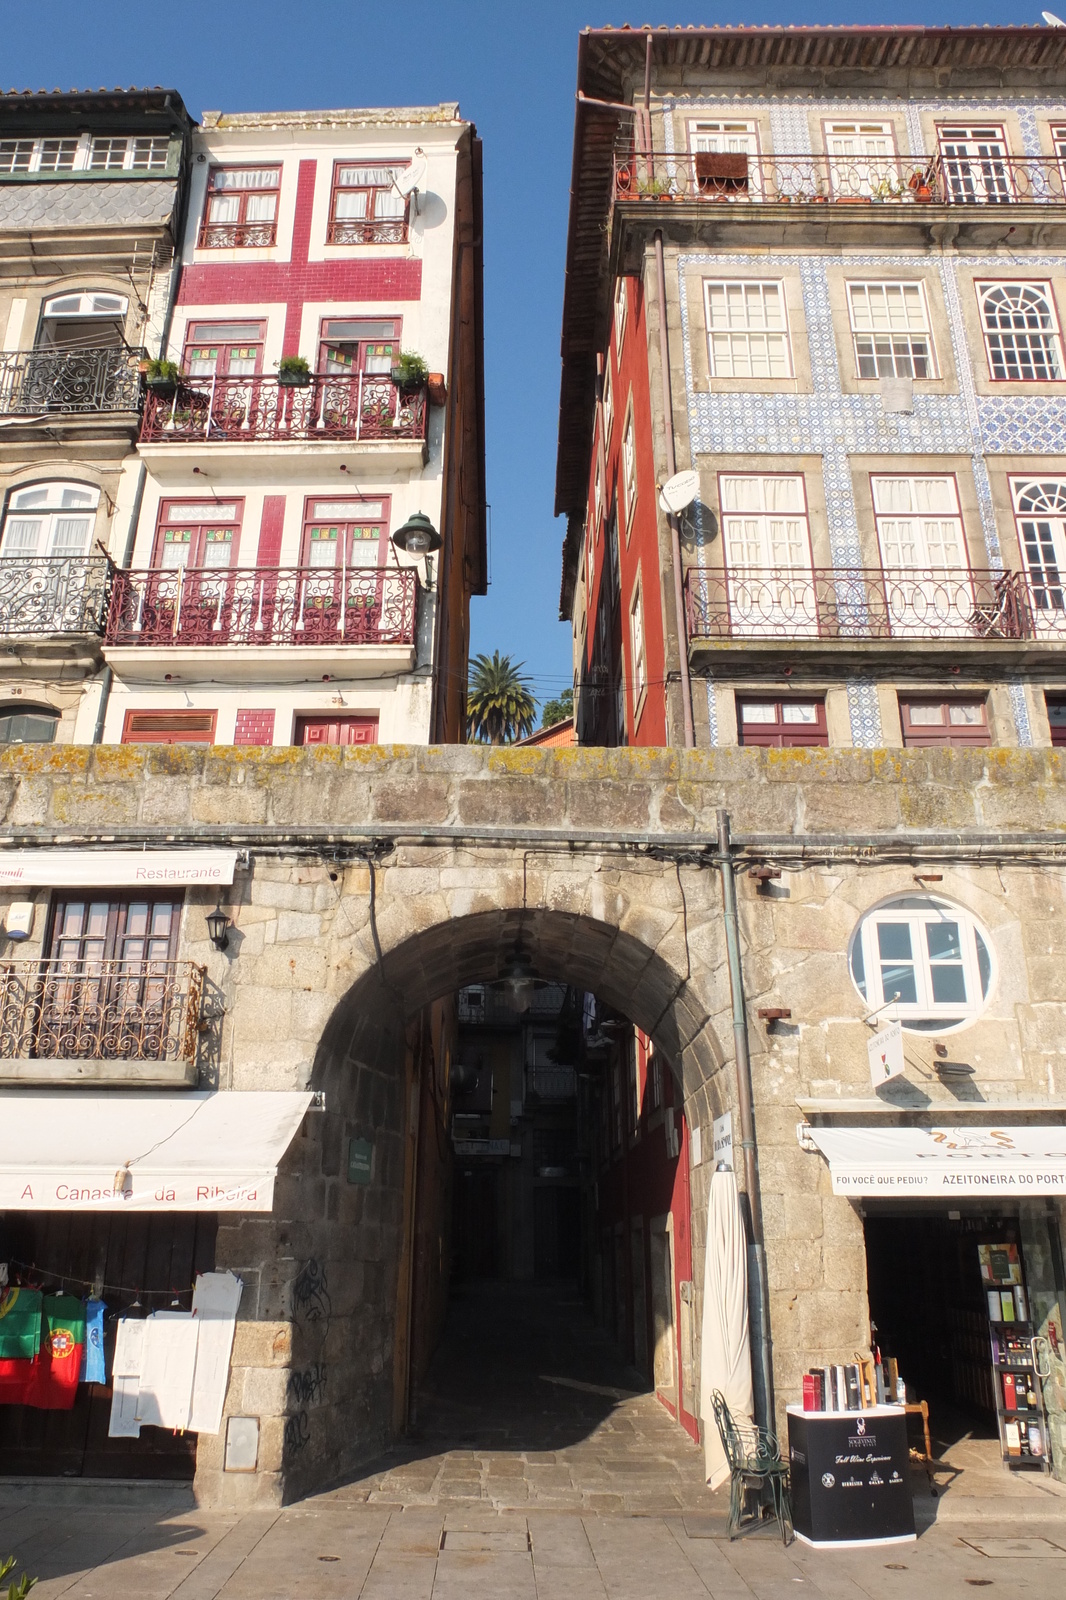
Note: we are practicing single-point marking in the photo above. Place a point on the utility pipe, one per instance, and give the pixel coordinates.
(671, 468)
(107, 677)
(759, 1309)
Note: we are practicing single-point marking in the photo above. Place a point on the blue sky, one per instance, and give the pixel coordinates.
(512, 69)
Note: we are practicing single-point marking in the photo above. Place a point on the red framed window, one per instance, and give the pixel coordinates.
(366, 207)
(223, 349)
(242, 207)
(956, 722)
(128, 928)
(781, 724)
(169, 727)
(350, 345)
(345, 533)
(197, 534)
(1056, 716)
(336, 730)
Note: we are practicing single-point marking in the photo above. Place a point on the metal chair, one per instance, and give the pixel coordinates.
(755, 1463)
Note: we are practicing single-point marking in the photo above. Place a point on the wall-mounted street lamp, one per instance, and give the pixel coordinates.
(418, 536)
(218, 927)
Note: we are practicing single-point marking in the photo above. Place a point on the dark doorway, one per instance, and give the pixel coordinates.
(476, 1226)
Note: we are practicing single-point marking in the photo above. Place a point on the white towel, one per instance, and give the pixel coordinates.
(214, 1306)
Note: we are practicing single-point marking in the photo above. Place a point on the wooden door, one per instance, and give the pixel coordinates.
(336, 730)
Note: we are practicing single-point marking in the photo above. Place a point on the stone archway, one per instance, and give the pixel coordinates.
(345, 1240)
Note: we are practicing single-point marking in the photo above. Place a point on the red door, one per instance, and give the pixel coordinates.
(336, 730)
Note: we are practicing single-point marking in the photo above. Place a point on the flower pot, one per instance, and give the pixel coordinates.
(294, 380)
(162, 386)
(923, 195)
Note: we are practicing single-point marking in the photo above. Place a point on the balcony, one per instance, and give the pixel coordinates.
(258, 410)
(83, 382)
(714, 179)
(318, 614)
(832, 609)
(63, 596)
(100, 1021)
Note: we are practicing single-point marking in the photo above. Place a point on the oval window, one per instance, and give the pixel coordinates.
(922, 961)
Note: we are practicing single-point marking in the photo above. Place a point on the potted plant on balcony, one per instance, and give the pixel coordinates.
(163, 377)
(293, 372)
(409, 372)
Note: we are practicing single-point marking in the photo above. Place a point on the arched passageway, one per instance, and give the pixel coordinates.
(370, 1191)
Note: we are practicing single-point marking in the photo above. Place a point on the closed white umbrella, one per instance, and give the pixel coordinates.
(726, 1359)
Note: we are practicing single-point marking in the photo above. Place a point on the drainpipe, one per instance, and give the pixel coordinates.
(759, 1301)
(107, 677)
(671, 468)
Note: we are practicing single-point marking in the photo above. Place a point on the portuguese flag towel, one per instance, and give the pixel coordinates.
(56, 1371)
(20, 1341)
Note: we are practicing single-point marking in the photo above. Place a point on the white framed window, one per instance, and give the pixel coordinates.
(890, 328)
(85, 153)
(764, 522)
(975, 162)
(597, 493)
(1021, 332)
(918, 522)
(621, 297)
(629, 468)
(862, 157)
(637, 648)
(1040, 518)
(922, 961)
(49, 520)
(608, 402)
(726, 136)
(747, 330)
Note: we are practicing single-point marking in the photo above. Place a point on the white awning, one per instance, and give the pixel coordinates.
(913, 1162)
(97, 1151)
(115, 869)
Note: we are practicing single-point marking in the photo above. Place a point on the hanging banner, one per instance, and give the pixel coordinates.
(116, 869)
(885, 1051)
(945, 1161)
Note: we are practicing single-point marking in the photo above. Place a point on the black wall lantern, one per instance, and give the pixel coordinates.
(418, 536)
(218, 927)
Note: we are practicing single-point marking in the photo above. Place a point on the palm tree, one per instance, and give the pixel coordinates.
(499, 705)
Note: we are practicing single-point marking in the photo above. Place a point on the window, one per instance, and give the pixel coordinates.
(49, 520)
(726, 138)
(93, 320)
(918, 523)
(28, 725)
(132, 930)
(169, 727)
(359, 344)
(747, 333)
(975, 163)
(367, 208)
(923, 961)
(223, 349)
(242, 207)
(608, 402)
(597, 492)
(781, 724)
(764, 522)
(1056, 716)
(86, 152)
(1021, 332)
(621, 295)
(346, 533)
(862, 158)
(129, 155)
(955, 722)
(637, 651)
(890, 326)
(610, 540)
(1040, 517)
(197, 534)
(629, 470)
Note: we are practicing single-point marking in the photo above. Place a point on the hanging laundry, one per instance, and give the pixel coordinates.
(54, 1384)
(214, 1306)
(20, 1324)
(92, 1367)
(167, 1369)
(126, 1378)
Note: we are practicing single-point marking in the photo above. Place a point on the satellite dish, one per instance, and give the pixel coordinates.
(679, 491)
(413, 177)
(1052, 20)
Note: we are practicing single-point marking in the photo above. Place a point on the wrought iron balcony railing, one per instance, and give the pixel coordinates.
(264, 606)
(826, 179)
(236, 235)
(851, 603)
(54, 594)
(375, 230)
(33, 382)
(247, 409)
(100, 1010)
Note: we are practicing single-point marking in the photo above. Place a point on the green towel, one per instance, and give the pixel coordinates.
(20, 1324)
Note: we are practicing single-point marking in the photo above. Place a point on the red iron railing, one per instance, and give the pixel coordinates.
(360, 407)
(826, 179)
(100, 1010)
(858, 603)
(264, 606)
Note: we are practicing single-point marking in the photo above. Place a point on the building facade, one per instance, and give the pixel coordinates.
(806, 298)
